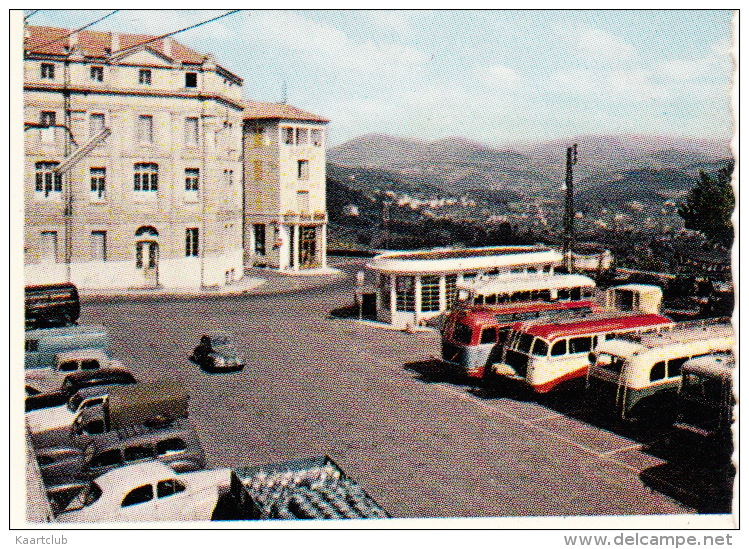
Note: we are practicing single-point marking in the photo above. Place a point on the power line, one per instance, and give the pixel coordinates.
(175, 32)
(29, 15)
(77, 30)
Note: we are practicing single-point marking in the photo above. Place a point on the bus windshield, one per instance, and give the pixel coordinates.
(610, 362)
(462, 334)
(524, 343)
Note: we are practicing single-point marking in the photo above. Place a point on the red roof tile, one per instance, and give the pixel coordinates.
(255, 110)
(96, 44)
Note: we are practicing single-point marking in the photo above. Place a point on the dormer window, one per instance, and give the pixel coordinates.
(191, 80)
(144, 77)
(48, 71)
(97, 74)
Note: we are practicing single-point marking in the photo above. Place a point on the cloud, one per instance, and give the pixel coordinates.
(394, 21)
(493, 75)
(595, 44)
(324, 44)
(691, 69)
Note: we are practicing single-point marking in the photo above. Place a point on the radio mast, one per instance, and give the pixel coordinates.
(569, 210)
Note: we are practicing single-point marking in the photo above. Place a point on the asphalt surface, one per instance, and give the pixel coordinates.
(422, 443)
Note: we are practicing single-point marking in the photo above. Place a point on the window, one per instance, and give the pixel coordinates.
(144, 77)
(303, 169)
(317, 138)
(257, 137)
(97, 74)
(170, 446)
(576, 294)
(469, 277)
(192, 175)
(98, 183)
(135, 453)
(68, 366)
(229, 177)
(145, 128)
(90, 364)
(169, 487)
(106, 459)
(47, 182)
(47, 118)
(674, 365)
(288, 136)
(302, 136)
(32, 345)
(430, 293)
(385, 291)
(404, 293)
(98, 245)
(563, 295)
(191, 242)
(191, 79)
(559, 348)
(48, 70)
(191, 131)
(489, 335)
(96, 124)
(146, 177)
(580, 344)
(257, 169)
(48, 247)
(540, 347)
(525, 342)
(658, 371)
(142, 494)
(462, 334)
(450, 289)
(490, 299)
(302, 201)
(259, 229)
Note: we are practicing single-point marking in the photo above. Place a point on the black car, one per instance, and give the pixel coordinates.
(75, 382)
(216, 352)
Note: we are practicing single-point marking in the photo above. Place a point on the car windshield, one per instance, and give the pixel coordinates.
(92, 493)
(75, 402)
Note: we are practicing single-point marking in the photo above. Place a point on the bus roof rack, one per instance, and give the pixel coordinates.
(682, 332)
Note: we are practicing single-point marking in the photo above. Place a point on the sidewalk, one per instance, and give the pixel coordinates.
(256, 281)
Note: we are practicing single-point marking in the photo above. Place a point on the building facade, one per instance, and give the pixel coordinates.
(133, 174)
(285, 216)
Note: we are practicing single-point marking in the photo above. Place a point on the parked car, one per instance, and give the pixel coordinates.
(176, 444)
(149, 491)
(43, 345)
(216, 352)
(80, 360)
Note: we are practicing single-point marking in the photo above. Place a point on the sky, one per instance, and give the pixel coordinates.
(490, 76)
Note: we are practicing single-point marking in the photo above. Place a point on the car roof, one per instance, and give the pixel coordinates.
(121, 478)
(80, 354)
(141, 434)
(84, 376)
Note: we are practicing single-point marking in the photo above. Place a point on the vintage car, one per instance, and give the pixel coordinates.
(80, 360)
(176, 444)
(149, 491)
(216, 352)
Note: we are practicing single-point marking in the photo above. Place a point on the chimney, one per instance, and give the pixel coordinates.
(168, 47)
(115, 42)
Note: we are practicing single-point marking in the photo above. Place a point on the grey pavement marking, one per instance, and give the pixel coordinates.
(544, 418)
(623, 449)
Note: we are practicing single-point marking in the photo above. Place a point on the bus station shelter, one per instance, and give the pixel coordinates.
(414, 286)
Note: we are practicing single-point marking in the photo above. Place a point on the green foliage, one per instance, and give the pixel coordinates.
(709, 207)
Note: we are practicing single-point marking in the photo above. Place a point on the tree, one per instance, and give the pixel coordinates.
(709, 207)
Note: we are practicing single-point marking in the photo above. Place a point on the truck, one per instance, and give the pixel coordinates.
(43, 345)
(50, 378)
(52, 305)
(146, 403)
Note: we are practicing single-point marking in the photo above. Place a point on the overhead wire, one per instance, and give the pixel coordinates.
(77, 30)
(155, 38)
(30, 14)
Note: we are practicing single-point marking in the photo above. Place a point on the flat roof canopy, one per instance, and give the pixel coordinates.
(451, 260)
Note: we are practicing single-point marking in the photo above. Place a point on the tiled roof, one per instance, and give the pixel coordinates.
(97, 44)
(255, 110)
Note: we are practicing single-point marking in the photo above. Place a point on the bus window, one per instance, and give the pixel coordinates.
(524, 296)
(610, 362)
(489, 335)
(502, 335)
(658, 371)
(544, 295)
(559, 348)
(540, 347)
(575, 294)
(563, 295)
(547, 268)
(516, 270)
(580, 345)
(462, 334)
(531, 270)
(588, 292)
(479, 300)
(674, 366)
(490, 299)
(502, 298)
(610, 336)
(524, 344)
(469, 277)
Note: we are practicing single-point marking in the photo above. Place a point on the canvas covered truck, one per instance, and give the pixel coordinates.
(144, 403)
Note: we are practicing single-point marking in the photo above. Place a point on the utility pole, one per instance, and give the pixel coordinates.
(569, 210)
(68, 176)
(386, 223)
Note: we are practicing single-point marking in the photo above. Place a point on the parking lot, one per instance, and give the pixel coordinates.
(422, 443)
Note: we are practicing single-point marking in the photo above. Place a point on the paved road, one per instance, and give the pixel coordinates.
(421, 444)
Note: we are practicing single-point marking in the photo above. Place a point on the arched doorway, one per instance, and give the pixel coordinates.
(147, 255)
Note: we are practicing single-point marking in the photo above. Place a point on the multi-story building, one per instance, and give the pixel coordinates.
(132, 162)
(284, 180)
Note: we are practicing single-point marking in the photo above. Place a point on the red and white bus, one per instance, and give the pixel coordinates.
(472, 338)
(545, 353)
